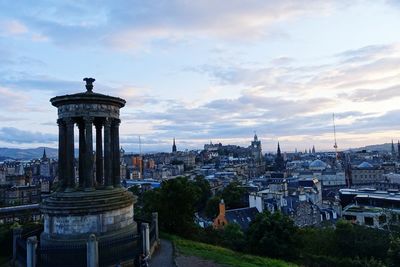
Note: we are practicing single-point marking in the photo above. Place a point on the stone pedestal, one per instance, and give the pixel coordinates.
(70, 219)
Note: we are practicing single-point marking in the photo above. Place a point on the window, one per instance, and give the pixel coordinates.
(369, 221)
(382, 219)
(350, 217)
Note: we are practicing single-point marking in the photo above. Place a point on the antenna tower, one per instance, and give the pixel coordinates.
(140, 146)
(141, 159)
(334, 135)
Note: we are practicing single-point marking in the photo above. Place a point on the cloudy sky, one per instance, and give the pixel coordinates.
(206, 70)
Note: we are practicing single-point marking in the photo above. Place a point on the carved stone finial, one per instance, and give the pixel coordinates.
(89, 84)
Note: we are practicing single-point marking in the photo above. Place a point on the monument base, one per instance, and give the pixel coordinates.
(70, 218)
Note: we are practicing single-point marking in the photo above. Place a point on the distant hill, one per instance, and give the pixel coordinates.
(379, 147)
(26, 154)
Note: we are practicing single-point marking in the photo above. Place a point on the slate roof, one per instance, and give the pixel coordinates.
(243, 216)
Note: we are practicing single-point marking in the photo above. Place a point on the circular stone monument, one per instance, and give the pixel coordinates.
(93, 202)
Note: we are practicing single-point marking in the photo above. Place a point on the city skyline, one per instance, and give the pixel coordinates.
(201, 71)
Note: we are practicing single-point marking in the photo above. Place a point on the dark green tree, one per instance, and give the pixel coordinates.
(273, 235)
(345, 239)
(234, 195)
(204, 192)
(394, 252)
(212, 206)
(233, 237)
(175, 203)
(360, 241)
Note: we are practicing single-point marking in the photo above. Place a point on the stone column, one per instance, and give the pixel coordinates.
(116, 172)
(61, 153)
(92, 252)
(155, 222)
(16, 235)
(145, 239)
(82, 149)
(89, 179)
(69, 152)
(31, 245)
(99, 154)
(107, 154)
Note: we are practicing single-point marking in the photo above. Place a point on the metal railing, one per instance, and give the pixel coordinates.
(122, 249)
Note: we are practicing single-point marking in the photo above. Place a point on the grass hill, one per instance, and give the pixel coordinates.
(223, 256)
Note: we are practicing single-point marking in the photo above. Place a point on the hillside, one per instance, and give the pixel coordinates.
(378, 147)
(223, 256)
(26, 154)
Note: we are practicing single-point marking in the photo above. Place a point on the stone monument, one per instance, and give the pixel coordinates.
(94, 203)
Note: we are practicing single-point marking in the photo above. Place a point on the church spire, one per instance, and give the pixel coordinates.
(393, 150)
(44, 157)
(278, 151)
(173, 146)
(398, 149)
(279, 161)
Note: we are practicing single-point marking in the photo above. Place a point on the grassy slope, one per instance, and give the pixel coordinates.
(222, 255)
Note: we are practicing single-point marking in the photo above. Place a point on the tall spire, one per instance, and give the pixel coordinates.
(44, 157)
(278, 151)
(279, 161)
(398, 149)
(173, 146)
(393, 150)
(313, 149)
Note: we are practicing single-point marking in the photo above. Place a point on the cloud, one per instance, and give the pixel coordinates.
(374, 95)
(11, 100)
(132, 24)
(371, 67)
(13, 27)
(17, 136)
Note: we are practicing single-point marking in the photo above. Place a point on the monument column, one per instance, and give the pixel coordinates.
(61, 152)
(89, 179)
(99, 153)
(82, 148)
(108, 182)
(69, 153)
(116, 172)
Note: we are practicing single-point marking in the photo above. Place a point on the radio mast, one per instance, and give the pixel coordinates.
(140, 159)
(334, 135)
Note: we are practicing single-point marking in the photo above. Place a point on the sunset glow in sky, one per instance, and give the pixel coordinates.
(206, 70)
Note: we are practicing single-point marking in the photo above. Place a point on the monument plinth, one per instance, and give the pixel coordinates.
(94, 202)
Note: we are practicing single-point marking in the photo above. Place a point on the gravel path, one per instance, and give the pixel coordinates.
(163, 257)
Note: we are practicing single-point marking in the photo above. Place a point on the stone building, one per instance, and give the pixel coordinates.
(366, 173)
(19, 195)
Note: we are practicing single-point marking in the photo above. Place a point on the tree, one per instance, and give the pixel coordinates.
(175, 203)
(394, 252)
(212, 206)
(360, 241)
(233, 237)
(233, 195)
(273, 235)
(345, 239)
(204, 192)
